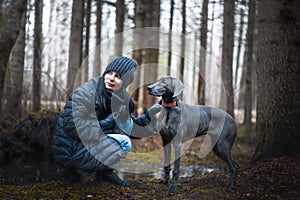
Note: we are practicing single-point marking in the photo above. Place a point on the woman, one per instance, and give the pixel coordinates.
(92, 133)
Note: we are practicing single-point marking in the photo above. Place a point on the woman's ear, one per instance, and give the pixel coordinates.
(177, 86)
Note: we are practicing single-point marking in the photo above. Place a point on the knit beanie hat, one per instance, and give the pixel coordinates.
(124, 66)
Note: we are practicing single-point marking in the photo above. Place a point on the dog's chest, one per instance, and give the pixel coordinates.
(170, 122)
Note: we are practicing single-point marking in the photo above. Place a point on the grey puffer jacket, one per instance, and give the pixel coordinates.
(79, 140)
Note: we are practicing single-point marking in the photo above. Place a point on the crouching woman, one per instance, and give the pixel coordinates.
(94, 129)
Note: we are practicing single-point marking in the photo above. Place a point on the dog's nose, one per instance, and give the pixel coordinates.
(150, 88)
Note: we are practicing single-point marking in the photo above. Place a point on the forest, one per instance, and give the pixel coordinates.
(242, 56)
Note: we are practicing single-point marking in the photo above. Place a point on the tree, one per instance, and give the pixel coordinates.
(278, 80)
(87, 37)
(75, 50)
(56, 49)
(137, 54)
(147, 14)
(15, 77)
(11, 23)
(203, 45)
(37, 57)
(151, 54)
(227, 54)
(210, 45)
(170, 36)
(120, 12)
(97, 59)
(249, 69)
(240, 41)
(49, 88)
(183, 31)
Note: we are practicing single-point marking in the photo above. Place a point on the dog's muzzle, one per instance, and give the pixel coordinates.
(150, 90)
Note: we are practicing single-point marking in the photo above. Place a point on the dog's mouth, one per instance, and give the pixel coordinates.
(153, 92)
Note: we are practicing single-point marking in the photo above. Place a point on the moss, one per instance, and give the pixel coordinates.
(37, 116)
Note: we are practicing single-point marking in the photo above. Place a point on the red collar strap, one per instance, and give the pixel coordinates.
(172, 104)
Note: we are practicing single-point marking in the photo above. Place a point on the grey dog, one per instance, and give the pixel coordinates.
(180, 122)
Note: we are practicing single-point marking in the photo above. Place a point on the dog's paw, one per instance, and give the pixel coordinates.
(231, 183)
(230, 187)
(173, 186)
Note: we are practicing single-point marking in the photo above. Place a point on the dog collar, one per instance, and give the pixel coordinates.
(172, 104)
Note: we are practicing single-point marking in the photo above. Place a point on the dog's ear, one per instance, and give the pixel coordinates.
(177, 87)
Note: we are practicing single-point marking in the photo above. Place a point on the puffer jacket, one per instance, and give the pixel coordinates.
(79, 140)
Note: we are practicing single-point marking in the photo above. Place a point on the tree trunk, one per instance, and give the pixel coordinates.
(137, 54)
(147, 14)
(278, 80)
(242, 85)
(183, 31)
(37, 57)
(249, 67)
(170, 36)
(58, 53)
(120, 12)
(75, 50)
(9, 32)
(210, 45)
(227, 54)
(240, 41)
(203, 45)
(97, 59)
(87, 38)
(151, 54)
(15, 86)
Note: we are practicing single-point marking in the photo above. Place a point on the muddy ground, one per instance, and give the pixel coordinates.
(274, 179)
(277, 178)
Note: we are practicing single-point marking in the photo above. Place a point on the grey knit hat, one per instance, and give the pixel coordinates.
(124, 66)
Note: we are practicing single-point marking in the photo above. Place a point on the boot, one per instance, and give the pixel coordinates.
(111, 177)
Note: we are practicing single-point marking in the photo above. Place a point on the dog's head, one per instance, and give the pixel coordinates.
(166, 86)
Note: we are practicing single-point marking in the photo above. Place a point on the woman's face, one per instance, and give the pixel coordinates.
(113, 81)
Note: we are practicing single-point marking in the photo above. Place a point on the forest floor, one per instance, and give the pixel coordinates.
(277, 178)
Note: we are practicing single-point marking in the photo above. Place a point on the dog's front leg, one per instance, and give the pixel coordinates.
(174, 183)
(167, 163)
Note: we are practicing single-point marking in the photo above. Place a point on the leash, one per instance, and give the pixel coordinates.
(172, 104)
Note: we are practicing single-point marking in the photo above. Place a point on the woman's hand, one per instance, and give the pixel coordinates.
(107, 123)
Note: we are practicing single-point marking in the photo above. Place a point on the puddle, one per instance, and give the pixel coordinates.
(185, 171)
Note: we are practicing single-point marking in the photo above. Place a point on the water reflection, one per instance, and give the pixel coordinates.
(185, 171)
